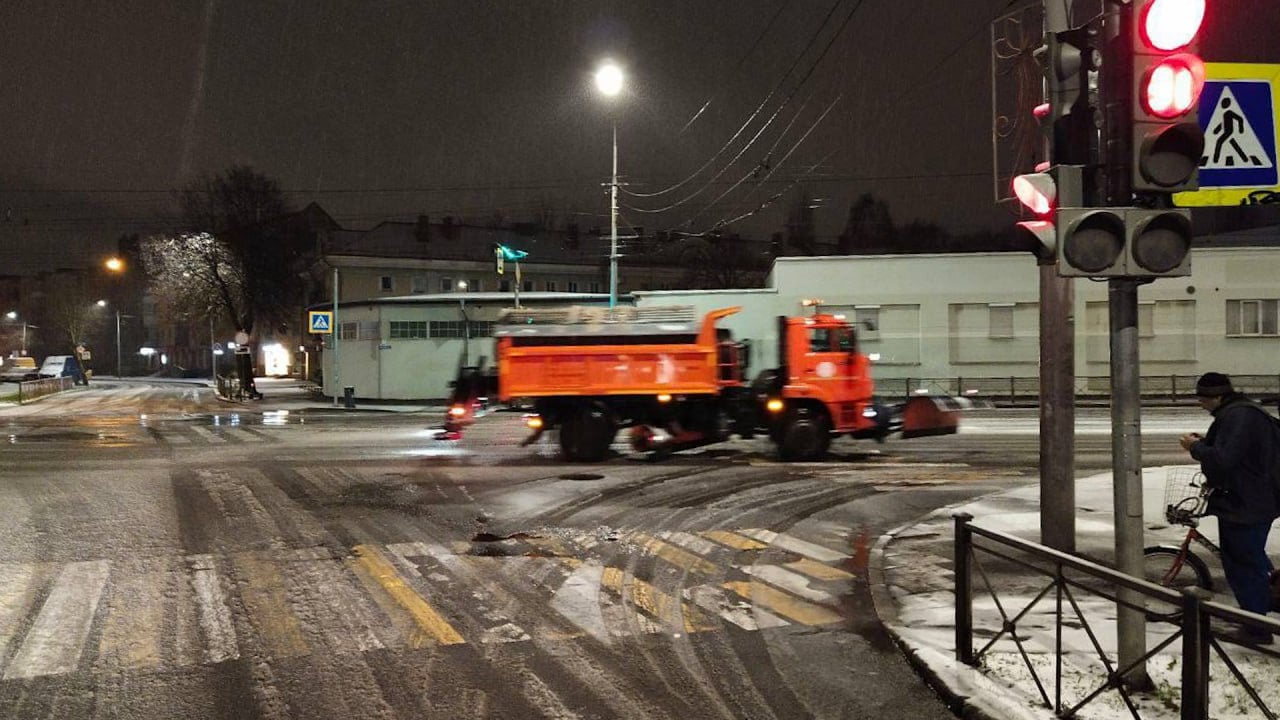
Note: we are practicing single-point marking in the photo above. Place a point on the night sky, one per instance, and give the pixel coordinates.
(486, 109)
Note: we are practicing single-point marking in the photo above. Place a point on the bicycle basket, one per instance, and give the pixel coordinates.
(1183, 494)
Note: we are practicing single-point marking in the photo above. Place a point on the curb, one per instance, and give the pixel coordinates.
(887, 610)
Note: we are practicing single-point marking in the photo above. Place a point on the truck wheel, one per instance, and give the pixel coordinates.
(806, 435)
(586, 434)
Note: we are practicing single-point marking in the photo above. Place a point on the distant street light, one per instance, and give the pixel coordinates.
(466, 325)
(114, 264)
(609, 80)
(13, 315)
(103, 303)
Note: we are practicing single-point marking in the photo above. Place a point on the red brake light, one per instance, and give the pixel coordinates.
(1173, 87)
(1168, 25)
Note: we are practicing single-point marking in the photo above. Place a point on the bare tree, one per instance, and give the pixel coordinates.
(236, 254)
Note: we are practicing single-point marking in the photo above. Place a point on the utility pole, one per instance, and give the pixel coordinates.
(1057, 369)
(333, 367)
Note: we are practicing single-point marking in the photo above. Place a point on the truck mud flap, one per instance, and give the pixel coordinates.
(926, 416)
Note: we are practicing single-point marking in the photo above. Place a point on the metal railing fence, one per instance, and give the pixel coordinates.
(1188, 614)
(1021, 390)
(29, 390)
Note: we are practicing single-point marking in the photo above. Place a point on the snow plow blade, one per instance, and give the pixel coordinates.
(928, 415)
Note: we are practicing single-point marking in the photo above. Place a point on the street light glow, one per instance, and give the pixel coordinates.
(114, 264)
(609, 79)
(102, 303)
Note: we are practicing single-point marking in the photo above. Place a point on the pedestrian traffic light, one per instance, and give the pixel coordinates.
(1073, 61)
(1124, 242)
(1168, 76)
(1038, 192)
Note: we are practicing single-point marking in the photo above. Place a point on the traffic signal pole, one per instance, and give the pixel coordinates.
(1122, 306)
(1057, 375)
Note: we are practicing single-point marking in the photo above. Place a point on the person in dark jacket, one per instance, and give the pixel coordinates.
(1236, 457)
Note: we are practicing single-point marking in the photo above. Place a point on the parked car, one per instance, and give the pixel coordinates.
(18, 369)
(63, 366)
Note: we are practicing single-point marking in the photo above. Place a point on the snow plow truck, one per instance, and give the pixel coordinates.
(674, 381)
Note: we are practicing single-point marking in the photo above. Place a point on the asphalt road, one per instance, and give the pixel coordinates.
(163, 555)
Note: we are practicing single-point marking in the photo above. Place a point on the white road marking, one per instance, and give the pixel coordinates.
(215, 618)
(207, 435)
(793, 583)
(56, 639)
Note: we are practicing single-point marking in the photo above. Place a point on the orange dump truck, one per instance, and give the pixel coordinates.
(676, 380)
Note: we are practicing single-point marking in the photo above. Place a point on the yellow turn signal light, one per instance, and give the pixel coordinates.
(533, 422)
(664, 398)
(774, 405)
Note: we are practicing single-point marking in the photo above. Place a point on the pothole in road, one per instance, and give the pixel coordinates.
(581, 476)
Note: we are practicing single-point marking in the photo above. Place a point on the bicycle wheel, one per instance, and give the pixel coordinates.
(1159, 567)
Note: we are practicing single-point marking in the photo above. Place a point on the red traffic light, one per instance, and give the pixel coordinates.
(1036, 191)
(1169, 25)
(1172, 87)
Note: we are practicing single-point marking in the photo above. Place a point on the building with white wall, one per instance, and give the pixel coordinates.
(949, 322)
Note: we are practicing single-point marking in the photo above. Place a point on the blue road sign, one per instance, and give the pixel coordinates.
(321, 321)
(1238, 119)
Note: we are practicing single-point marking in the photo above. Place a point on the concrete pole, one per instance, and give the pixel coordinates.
(117, 344)
(1126, 469)
(334, 332)
(1057, 371)
(613, 224)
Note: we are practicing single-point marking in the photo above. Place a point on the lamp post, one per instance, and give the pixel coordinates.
(13, 315)
(609, 82)
(466, 324)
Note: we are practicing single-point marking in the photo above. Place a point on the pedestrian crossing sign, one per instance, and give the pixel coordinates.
(321, 322)
(1238, 116)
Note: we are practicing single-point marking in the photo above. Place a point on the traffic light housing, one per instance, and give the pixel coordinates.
(1123, 242)
(1071, 68)
(1167, 79)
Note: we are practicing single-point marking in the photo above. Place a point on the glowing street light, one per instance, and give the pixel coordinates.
(609, 81)
(114, 264)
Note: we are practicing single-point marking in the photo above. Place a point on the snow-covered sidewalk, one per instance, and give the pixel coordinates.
(914, 582)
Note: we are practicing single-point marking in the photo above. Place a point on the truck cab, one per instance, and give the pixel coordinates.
(823, 388)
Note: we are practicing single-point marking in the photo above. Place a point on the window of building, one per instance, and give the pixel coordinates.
(408, 330)
(1252, 318)
(386, 283)
(595, 287)
(866, 319)
(573, 286)
(504, 286)
(475, 285)
(1146, 319)
(528, 286)
(551, 286)
(361, 330)
(1001, 320)
(418, 284)
(459, 329)
(446, 284)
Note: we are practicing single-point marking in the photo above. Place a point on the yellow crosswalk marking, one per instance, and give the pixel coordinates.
(733, 540)
(783, 604)
(818, 570)
(267, 601)
(372, 564)
(654, 601)
(676, 556)
(130, 637)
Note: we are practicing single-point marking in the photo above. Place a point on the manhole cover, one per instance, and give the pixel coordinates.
(582, 476)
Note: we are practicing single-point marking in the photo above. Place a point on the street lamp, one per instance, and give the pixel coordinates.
(103, 303)
(13, 315)
(609, 82)
(466, 325)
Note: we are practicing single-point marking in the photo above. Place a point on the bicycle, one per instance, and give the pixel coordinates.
(1177, 566)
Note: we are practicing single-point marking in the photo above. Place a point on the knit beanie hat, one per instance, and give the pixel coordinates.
(1213, 385)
